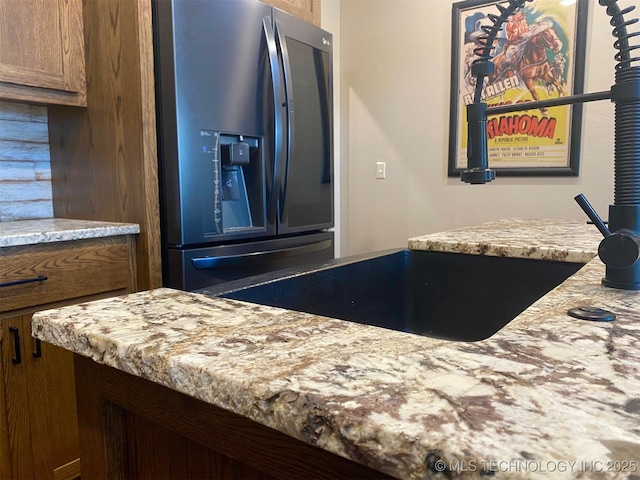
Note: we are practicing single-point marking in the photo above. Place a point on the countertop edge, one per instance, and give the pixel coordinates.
(33, 232)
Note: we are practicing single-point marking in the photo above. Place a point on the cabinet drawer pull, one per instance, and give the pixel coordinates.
(16, 343)
(38, 351)
(39, 278)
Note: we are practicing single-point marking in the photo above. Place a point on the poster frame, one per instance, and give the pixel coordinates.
(529, 166)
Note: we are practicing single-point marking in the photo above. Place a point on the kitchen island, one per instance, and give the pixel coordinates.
(288, 394)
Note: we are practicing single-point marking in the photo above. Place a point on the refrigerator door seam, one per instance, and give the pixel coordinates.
(288, 90)
(277, 107)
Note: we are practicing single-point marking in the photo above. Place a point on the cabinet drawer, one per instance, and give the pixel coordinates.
(54, 272)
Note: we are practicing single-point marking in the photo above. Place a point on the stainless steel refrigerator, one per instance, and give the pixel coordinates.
(244, 112)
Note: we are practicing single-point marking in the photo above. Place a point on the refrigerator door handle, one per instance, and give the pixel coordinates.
(205, 263)
(278, 103)
(288, 91)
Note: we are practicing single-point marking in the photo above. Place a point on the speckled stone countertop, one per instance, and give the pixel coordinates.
(548, 394)
(46, 230)
(561, 240)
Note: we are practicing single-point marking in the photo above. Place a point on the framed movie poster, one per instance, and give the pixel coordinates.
(539, 54)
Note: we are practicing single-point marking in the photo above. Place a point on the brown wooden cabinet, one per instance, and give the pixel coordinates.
(307, 10)
(42, 52)
(38, 422)
(134, 428)
(103, 158)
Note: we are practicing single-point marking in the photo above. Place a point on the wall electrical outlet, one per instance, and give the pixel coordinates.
(381, 169)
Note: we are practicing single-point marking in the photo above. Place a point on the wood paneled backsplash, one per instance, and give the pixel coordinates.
(25, 168)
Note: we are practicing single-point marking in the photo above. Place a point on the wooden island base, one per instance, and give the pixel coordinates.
(133, 428)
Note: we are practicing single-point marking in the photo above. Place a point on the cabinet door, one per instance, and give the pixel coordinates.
(16, 455)
(52, 410)
(42, 51)
(41, 439)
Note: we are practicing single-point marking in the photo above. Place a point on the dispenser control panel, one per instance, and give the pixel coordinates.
(211, 150)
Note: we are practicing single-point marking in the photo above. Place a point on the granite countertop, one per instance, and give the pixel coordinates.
(565, 241)
(46, 230)
(547, 393)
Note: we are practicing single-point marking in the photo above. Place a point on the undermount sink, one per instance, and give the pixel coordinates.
(443, 295)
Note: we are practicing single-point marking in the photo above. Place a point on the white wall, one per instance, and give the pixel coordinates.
(394, 86)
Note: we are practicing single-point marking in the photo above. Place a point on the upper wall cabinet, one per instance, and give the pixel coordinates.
(42, 52)
(307, 10)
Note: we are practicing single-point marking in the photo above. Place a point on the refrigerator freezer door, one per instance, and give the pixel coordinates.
(198, 268)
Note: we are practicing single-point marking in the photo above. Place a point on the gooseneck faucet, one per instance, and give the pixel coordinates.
(620, 248)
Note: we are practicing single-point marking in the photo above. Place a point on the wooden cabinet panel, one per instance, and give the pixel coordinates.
(42, 51)
(61, 271)
(15, 383)
(307, 10)
(133, 428)
(52, 407)
(40, 405)
(38, 420)
(103, 158)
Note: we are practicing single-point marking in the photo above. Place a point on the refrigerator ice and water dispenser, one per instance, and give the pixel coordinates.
(238, 182)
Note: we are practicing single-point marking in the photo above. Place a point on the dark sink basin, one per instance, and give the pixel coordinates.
(444, 295)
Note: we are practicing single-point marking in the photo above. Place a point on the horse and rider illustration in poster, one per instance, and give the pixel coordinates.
(535, 59)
